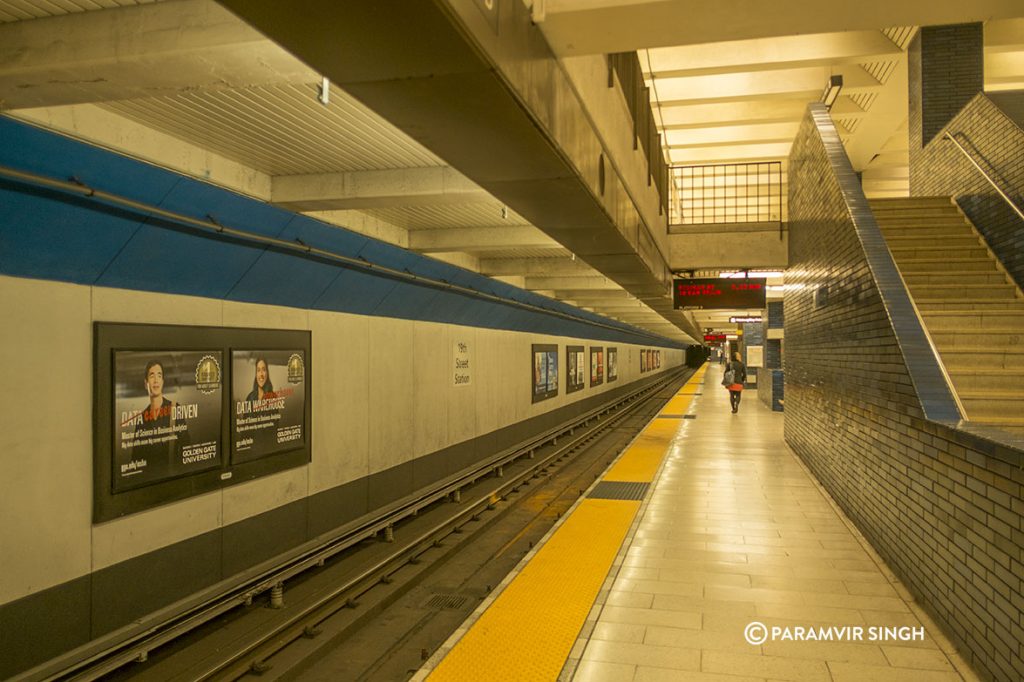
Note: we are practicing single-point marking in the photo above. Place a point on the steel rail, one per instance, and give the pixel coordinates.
(100, 661)
(298, 624)
(984, 174)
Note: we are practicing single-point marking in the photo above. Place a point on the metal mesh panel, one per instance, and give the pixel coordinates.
(619, 490)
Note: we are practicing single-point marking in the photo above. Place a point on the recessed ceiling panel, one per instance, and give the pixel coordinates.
(281, 130)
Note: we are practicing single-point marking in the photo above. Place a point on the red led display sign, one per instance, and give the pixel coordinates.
(719, 293)
(714, 338)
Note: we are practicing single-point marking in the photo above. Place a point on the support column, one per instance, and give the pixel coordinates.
(946, 69)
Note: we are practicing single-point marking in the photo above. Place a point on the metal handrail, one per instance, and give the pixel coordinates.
(991, 181)
(212, 227)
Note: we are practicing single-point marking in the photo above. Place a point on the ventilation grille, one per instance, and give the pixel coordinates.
(446, 601)
(619, 490)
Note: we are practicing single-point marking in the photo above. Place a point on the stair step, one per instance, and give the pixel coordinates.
(943, 264)
(963, 337)
(961, 359)
(967, 305)
(911, 202)
(913, 222)
(934, 232)
(954, 277)
(987, 378)
(915, 212)
(996, 406)
(965, 241)
(950, 292)
(908, 253)
(986, 321)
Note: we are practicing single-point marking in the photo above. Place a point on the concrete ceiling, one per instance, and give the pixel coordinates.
(187, 85)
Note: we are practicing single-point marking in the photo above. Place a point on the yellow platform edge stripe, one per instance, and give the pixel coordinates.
(529, 630)
(640, 462)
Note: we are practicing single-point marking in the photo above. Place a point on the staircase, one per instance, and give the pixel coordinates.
(971, 308)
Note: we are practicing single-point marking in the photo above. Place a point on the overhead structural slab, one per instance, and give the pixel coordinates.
(442, 73)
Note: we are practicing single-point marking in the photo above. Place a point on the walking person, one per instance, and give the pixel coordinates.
(733, 379)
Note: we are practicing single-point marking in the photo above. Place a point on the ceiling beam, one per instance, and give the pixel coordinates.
(375, 189)
(536, 266)
(1004, 35)
(888, 112)
(596, 282)
(479, 239)
(738, 132)
(140, 51)
(591, 294)
(573, 27)
(767, 54)
(785, 83)
(750, 111)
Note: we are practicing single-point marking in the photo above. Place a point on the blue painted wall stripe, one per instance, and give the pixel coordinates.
(47, 234)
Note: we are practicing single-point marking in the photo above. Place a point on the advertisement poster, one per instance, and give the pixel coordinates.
(643, 361)
(575, 373)
(613, 364)
(268, 392)
(167, 414)
(545, 372)
(596, 366)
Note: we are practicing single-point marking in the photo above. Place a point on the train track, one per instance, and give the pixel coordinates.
(374, 609)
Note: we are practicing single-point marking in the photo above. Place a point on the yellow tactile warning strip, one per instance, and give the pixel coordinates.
(530, 628)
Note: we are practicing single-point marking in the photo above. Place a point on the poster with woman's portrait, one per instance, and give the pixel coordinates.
(544, 371)
(574, 373)
(167, 414)
(268, 391)
(613, 364)
(596, 366)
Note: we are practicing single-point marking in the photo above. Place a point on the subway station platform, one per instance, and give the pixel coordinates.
(730, 563)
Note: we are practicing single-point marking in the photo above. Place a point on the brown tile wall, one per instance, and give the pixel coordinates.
(943, 507)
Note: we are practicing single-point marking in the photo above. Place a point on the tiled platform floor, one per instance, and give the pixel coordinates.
(736, 530)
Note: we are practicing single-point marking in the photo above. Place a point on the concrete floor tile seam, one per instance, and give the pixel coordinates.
(572, 665)
(942, 640)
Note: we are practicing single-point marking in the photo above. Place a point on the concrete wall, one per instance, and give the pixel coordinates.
(943, 507)
(387, 419)
(722, 247)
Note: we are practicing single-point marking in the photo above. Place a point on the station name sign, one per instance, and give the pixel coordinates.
(719, 293)
(745, 318)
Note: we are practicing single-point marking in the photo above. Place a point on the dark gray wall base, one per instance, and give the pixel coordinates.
(46, 624)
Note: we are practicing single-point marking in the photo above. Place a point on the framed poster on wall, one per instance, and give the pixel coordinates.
(596, 366)
(574, 369)
(544, 371)
(613, 364)
(169, 402)
(167, 413)
(268, 392)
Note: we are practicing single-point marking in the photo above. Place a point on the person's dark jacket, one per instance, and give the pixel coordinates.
(739, 370)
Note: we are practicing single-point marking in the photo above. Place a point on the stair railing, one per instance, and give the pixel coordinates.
(989, 178)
